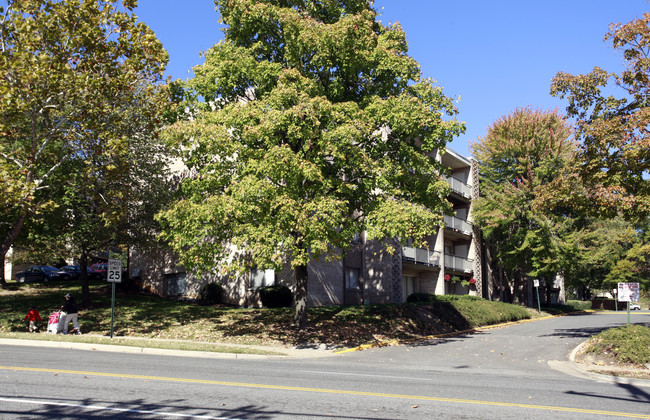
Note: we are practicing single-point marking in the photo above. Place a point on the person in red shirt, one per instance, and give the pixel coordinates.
(33, 315)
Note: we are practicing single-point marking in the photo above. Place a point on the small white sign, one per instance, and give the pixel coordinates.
(536, 283)
(628, 292)
(114, 273)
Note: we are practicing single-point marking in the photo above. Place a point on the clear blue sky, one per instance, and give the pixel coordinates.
(496, 55)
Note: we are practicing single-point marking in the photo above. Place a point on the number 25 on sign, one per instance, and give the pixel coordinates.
(114, 273)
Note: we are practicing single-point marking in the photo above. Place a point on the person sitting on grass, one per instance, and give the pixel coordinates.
(70, 308)
(33, 316)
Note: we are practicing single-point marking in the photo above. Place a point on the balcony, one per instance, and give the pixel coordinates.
(453, 263)
(421, 256)
(457, 224)
(459, 187)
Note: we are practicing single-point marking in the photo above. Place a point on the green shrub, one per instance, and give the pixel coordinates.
(479, 312)
(628, 344)
(429, 297)
(420, 297)
(579, 305)
(453, 298)
(211, 293)
(570, 306)
(471, 311)
(276, 296)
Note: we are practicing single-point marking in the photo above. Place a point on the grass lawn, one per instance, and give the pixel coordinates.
(145, 318)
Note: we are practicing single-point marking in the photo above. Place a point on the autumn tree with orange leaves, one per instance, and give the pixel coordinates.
(520, 158)
(612, 118)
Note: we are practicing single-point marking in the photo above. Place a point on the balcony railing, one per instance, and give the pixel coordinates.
(421, 256)
(458, 224)
(454, 263)
(460, 187)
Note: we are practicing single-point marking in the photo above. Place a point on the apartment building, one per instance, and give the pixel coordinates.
(367, 274)
(455, 257)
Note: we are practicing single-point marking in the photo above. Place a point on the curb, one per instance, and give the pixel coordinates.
(283, 353)
(586, 373)
(132, 349)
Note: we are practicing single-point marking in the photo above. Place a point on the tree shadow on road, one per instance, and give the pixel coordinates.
(575, 333)
(92, 408)
(584, 332)
(450, 338)
(636, 394)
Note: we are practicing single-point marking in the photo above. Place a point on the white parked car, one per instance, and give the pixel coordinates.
(635, 307)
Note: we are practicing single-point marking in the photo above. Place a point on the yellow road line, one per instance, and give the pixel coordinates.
(330, 391)
(622, 312)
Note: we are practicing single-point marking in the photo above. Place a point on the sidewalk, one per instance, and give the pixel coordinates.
(282, 351)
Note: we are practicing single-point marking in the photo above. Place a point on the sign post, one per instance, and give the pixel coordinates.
(628, 292)
(114, 275)
(539, 306)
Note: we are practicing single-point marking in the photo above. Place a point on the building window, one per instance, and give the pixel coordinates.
(409, 286)
(176, 284)
(351, 278)
(262, 278)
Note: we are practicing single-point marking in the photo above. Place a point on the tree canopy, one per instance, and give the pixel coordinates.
(612, 118)
(595, 251)
(519, 160)
(80, 104)
(634, 266)
(309, 124)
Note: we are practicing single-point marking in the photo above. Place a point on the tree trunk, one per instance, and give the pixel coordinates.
(300, 317)
(561, 297)
(505, 290)
(8, 241)
(85, 288)
(3, 282)
(516, 286)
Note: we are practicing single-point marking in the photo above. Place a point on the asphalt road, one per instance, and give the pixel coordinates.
(516, 372)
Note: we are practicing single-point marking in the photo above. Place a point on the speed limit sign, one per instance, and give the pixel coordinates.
(114, 273)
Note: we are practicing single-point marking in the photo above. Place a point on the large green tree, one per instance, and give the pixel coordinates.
(79, 97)
(312, 124)
(109, 200)
(634, 264)
(520, 157)
(592, 251)
(612, 113)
